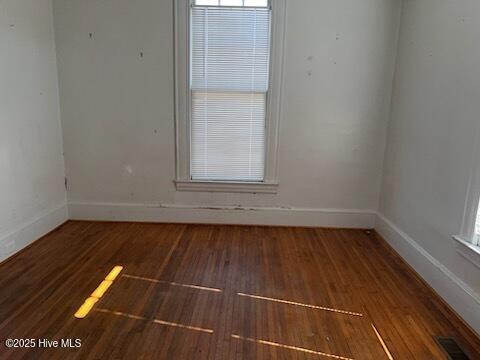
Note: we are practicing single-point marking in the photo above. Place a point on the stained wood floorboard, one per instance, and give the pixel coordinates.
(222, 292)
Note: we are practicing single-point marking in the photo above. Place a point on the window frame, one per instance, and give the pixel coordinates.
(183, 179)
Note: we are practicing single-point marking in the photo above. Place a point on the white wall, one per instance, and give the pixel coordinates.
(32, 194)
(435, 118)
(118, 112)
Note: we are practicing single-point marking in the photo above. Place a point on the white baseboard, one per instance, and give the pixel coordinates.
(461, 297)
(223, 215)
(28, 232)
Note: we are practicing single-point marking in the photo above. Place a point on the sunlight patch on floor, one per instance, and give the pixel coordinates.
(197, 287)
(384, 346)
(300, 304)
(155, 321)
(289, 347)
(97, 294)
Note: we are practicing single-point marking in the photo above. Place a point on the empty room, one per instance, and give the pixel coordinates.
(240, 179)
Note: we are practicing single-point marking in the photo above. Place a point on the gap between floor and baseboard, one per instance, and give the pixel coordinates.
(456, 295)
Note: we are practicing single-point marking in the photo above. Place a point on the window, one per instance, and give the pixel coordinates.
(471, 222)
(228, 81)
(229, 75)
(469, 237)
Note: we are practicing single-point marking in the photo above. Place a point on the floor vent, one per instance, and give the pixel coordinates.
(451, 348)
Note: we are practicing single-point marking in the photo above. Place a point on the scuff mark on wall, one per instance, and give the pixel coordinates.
(222, 208)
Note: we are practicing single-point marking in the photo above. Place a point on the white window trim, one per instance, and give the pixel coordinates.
(468, 250)
(183, 179)
(469, 242)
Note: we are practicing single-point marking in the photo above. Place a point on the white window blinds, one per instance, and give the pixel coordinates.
(229, 80)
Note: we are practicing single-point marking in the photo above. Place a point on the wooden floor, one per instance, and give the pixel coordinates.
(221, 292)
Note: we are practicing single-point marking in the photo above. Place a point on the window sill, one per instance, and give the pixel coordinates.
(226, 187)
(468, 250)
